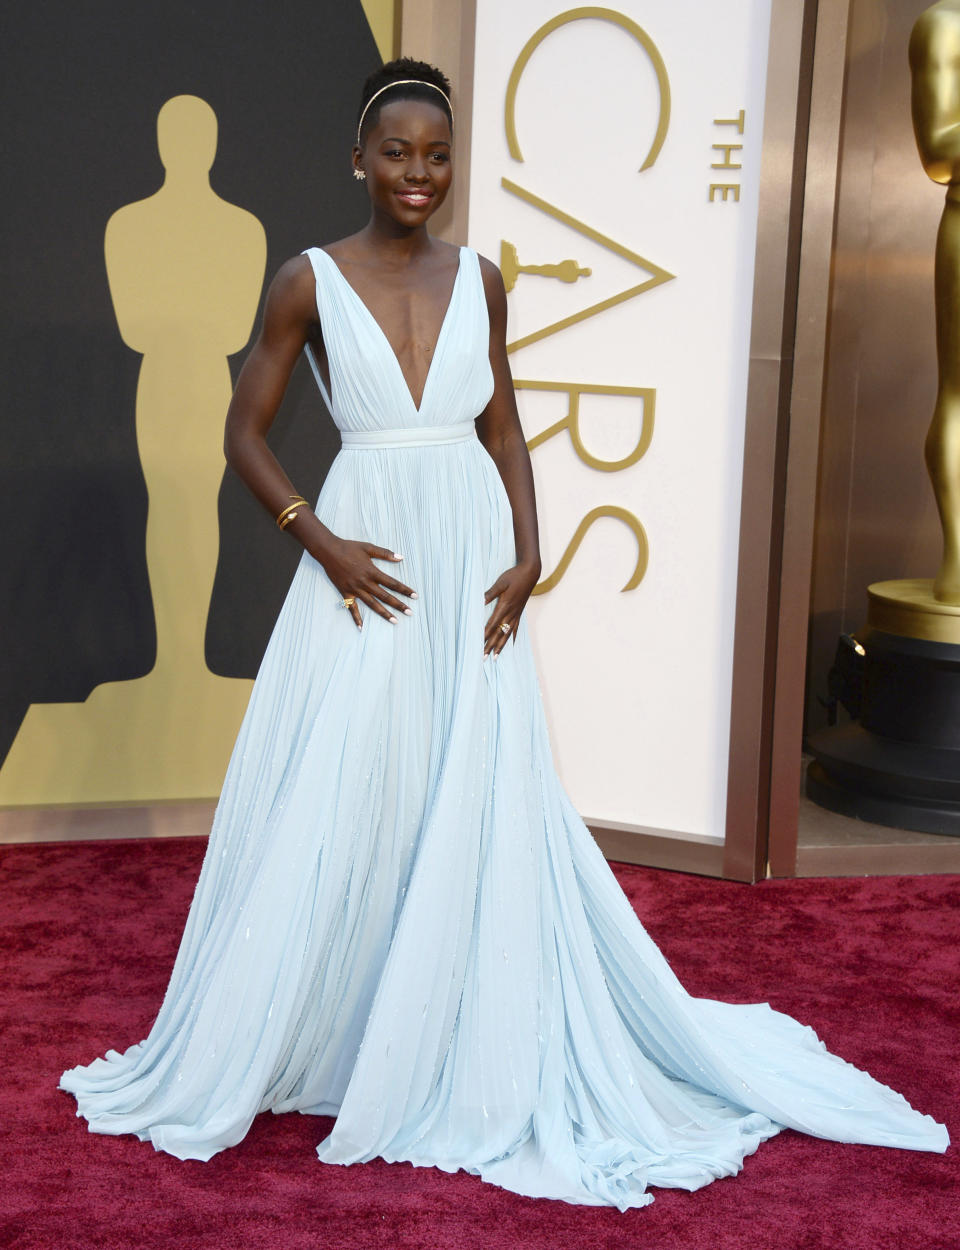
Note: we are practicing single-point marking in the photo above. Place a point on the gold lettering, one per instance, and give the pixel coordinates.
(620, 514)
(658, 275)
(724, 187)
(571, 422)
(732, 121)
(576, 15)
(729, 148)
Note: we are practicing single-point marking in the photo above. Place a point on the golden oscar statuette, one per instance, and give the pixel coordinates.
(898, 762)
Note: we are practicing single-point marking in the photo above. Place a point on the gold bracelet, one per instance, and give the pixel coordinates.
(291, 508)
(292, 517)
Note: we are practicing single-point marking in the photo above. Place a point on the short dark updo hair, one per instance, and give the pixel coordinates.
(395, 71)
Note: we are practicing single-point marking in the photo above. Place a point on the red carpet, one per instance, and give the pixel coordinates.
(89, 933)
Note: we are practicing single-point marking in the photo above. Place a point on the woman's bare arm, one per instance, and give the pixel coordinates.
(289, 319)
(499, 429)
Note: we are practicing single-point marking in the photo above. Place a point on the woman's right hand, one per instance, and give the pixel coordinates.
(349, 565)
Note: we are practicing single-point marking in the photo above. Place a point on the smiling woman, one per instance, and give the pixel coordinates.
(401, 920)
(419, 149)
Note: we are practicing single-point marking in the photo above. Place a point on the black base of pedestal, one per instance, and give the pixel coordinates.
(898, 784)
(900, 764)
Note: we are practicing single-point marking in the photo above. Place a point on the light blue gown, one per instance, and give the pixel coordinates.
(401, 920)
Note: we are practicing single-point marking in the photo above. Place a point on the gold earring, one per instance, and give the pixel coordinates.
(359, 174)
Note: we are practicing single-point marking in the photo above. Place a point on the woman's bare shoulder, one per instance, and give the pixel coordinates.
(492, 283)
(293, 289)
(294, 272)
(487, 266)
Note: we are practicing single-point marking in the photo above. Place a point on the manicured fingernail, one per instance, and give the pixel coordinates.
(414, 595)
(393, 620)
(485, 654)
(397, 555)
(409, 611)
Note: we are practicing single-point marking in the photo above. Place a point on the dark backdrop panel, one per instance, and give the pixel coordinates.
(81, 88)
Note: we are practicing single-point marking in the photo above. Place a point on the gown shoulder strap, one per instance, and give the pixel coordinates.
(472, 263)
(316, 266)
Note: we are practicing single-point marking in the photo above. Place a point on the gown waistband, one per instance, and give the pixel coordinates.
(412, 436)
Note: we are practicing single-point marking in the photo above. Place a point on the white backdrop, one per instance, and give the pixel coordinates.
(636, 683)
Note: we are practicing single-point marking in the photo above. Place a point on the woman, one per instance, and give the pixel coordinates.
(401, 919)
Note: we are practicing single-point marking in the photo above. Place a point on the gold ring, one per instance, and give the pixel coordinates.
(505, 627)
(349, 601)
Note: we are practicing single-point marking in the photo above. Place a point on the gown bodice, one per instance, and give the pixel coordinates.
(367, 388)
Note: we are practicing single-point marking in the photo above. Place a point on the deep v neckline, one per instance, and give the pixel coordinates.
(417, 408)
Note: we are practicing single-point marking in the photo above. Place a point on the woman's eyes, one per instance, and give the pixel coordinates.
(441, 157)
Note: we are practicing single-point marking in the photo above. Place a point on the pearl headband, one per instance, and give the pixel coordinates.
(399, 83)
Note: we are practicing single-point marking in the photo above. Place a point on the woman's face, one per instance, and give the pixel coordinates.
(407, 159)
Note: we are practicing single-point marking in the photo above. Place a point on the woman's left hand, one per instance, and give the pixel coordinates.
(511, 590)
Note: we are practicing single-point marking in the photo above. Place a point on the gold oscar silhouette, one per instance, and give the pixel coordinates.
(185, 270)
(510, 267)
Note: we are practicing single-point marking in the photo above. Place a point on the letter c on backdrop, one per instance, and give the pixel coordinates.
(577, 15)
